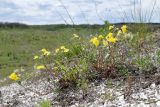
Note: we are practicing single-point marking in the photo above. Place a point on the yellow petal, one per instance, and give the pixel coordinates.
(75, 36)
(104, 43)
(112, 40)
(100, 37)
(46, 53)
(111, 27)
(57, 50)
(109, 35)
(66, 50)
(13, 76)
(43, 50)
(62, 47)
(36, 57)
(119, 32)
(95, 41)
(91, 39)
(40, 67)
(124, 28)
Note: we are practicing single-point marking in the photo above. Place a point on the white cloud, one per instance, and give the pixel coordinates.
(82, 11)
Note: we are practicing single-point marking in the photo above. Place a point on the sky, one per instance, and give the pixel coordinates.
(40, 12)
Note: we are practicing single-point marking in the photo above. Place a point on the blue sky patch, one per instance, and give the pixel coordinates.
(81, 11)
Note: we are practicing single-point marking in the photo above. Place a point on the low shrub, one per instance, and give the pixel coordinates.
(112, 53)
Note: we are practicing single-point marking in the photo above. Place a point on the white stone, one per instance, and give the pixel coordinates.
(153, 86)
(143, 96)
(158, 104)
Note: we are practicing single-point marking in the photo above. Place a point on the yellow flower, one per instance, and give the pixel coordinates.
(57, 50)
(104, 43)
(40, 67)
(46, 53)
(109, 35)
(124, 28)
(13, 76)
(100, 37)
(36, 57)
(43, 50)
(62, 47)
(119, 32)
(112, 40)
(66, 50)
(111, 27)
(95, 41)
(75, 36)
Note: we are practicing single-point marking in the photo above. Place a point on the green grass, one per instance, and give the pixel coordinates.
(18, 46)
(44, 103)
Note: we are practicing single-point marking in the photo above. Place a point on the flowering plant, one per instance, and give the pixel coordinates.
(109, 53)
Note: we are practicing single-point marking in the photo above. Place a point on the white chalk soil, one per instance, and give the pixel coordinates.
(101, 94)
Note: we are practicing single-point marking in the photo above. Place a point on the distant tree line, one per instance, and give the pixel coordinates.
(46, 27)
(12, 25)
(62, 26)
(52, 27)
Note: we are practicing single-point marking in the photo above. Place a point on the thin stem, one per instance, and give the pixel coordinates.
(67, 12)
(152, 10)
